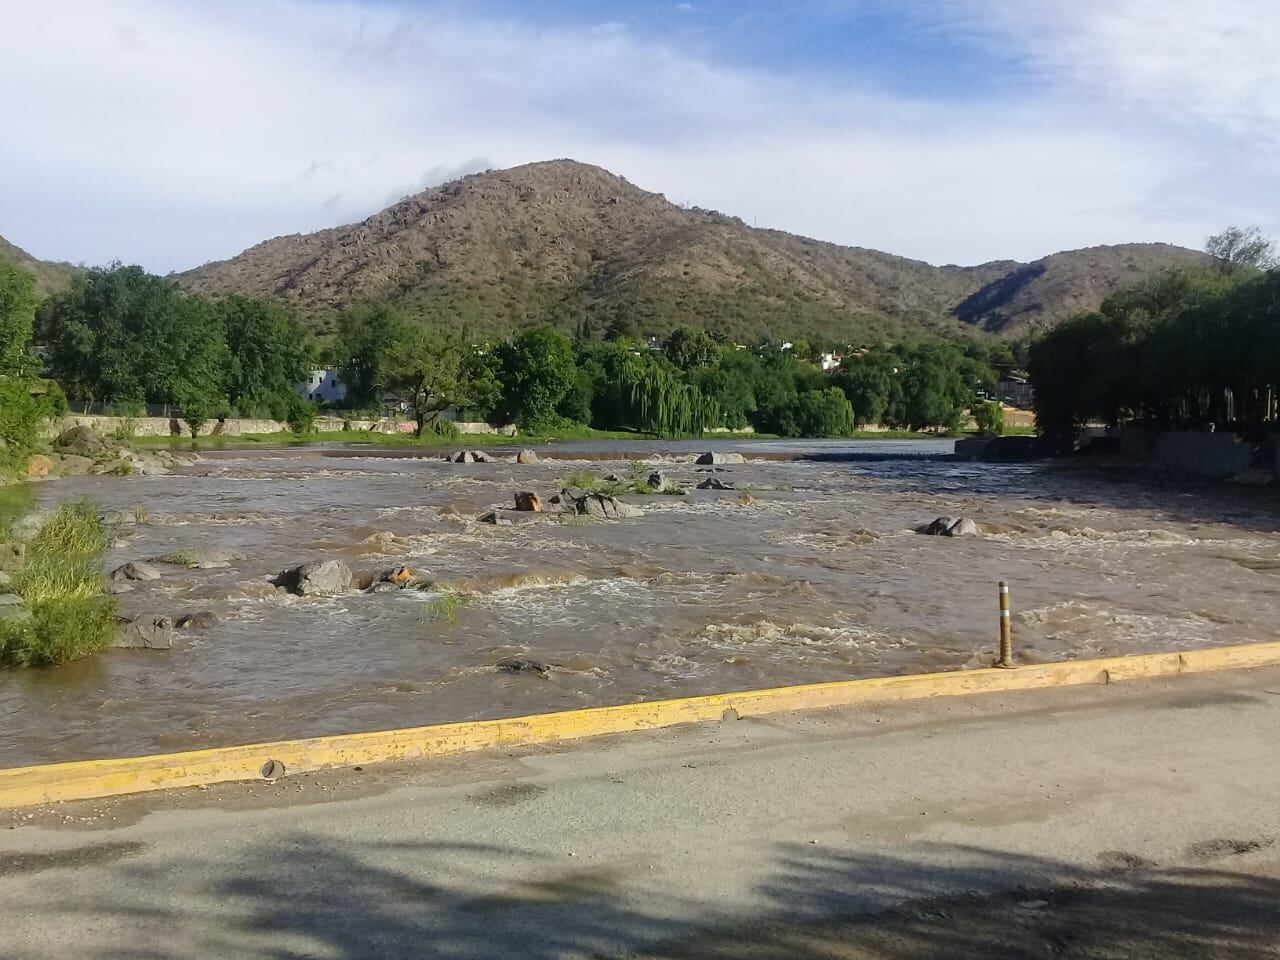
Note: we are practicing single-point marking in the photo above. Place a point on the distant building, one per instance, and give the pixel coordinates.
(323, 387)
(830, 361)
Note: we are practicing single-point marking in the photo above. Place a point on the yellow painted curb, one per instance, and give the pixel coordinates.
(88, 779)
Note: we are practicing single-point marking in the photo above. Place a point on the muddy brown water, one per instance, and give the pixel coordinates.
(818, 577)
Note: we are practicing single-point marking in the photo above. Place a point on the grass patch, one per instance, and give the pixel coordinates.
(16, 499)
(60, 581)
(179, 558)
(445, 608)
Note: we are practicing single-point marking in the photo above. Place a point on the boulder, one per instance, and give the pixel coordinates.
(72, 465)
(203, 620)
(39, 466)
(715, 483)
(79, 440)
(11, 555)
(496, 519)
(135, 570)
(606, 508)
(964, 527)
(525, 666)
(657, 480)
(201, 558)
(319, 578)
(460, 456)
(526, 456)
(528, 502)
(479, 456)
(13, 608)
(713, 458)
(144, 633)
(383, 586)
(951, 527)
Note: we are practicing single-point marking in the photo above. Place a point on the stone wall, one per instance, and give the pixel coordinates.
(234, 426)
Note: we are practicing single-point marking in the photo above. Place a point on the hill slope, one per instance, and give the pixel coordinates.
(51, 277)
(579, 246)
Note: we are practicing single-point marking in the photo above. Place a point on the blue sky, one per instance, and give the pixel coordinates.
(172, 132)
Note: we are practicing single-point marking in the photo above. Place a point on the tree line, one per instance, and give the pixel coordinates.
(542, 380)
(1189, 349)
(121, 336)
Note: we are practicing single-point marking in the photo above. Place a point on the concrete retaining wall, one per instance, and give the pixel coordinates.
(1212, 455)
(89, 779)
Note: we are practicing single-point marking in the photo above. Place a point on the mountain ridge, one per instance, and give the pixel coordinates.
(573, 244)
(51, 276)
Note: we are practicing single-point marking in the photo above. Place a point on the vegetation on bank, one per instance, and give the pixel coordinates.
(66, 612)
(1186, 350)
(121, 336)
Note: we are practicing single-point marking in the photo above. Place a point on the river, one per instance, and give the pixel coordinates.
(815, 574)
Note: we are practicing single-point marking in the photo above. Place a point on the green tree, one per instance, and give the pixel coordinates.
(17, 317)
(872, 384)
(122, 334)
(989, 417)
(823, 413)
(1235, 248)
(691, 349)
(439, 372)
(368, 341)
(537, 370)
(270, 352)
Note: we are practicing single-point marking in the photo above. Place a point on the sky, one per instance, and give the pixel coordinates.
(174, 132)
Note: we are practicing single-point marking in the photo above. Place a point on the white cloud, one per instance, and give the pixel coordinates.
(175, 132)
(1188, 61)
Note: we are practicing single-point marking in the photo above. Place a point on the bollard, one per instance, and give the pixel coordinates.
(1006, 628)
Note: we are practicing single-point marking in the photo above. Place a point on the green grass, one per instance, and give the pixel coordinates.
(179, 558)
(16, 499)
(60, 581)
(445, 608)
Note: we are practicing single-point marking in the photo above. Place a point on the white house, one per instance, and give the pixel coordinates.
(324, 385)
(830, 361)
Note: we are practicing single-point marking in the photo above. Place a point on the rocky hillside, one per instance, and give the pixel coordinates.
(579, 246)
(51, 277)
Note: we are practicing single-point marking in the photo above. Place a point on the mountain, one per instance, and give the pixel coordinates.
(51, 277)
(584, 248)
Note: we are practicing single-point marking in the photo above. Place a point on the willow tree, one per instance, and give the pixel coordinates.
(663, 404)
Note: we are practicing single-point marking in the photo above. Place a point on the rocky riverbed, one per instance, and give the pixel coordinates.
(746, 574)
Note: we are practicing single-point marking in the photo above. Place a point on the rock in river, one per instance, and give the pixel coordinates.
(528, 502)
(144, 633)
(319, 578)
(525, 666)
(526, 456)
(136, 570)
(202, 620)
(715, 483)
(950, 527)
(711, 458)
(606, 508)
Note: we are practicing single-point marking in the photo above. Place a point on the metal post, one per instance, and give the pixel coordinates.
(1006, 628)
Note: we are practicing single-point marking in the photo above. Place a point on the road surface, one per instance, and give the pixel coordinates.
(1137, 820)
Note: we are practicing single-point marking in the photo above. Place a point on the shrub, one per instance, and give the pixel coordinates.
(444, 429)
(61, 583)
(20, 416)
(989, 417)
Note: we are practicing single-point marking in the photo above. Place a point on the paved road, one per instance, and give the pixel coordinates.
(1139, 820)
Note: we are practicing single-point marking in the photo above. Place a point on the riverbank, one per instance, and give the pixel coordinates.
(369, 439)
(1090, 824)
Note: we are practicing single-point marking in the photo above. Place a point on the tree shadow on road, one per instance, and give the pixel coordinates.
(304, 896)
